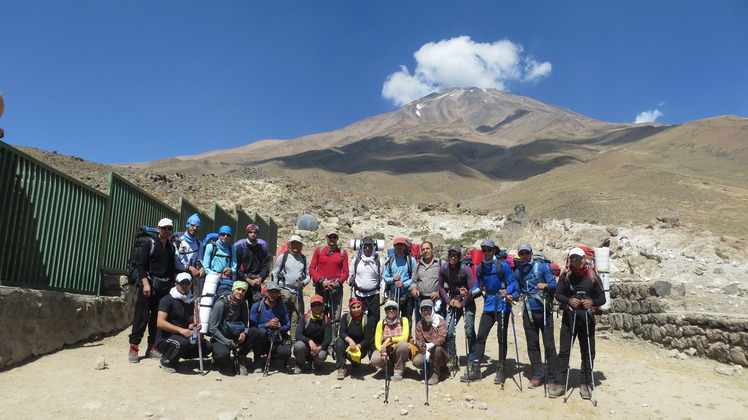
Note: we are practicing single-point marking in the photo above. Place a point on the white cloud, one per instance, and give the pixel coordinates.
(461, 62)
(648, 116)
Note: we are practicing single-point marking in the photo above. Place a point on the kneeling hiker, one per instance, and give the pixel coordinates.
(268, 326)
(580, 289)
(355, 336)
(431, 338)
(176, 326)
(391, 341)
(313, 336)
(228, 327)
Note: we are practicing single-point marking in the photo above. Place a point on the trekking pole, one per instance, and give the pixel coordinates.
(386, 377)
(589, 351)
(568, 364)
(299, 300)
(545, 352)
(516, 348)
(196, 332)
(425, 376)
(500, 336)
(453, 327)
(270, 353)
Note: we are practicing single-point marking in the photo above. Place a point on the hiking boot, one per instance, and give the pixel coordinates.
(534, 383)
(132, 355)
(318, 369)
(434, 379)
(473, 373)
(555, 391)
(259, 366)
(297, 369)
(398, 376)
(584, 392)
(243, 371)
(454, 366)
(153, 353)
(167, 367)
(341, 373)
(499, 378)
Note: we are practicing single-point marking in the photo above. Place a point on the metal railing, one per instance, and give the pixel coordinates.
(60, 234)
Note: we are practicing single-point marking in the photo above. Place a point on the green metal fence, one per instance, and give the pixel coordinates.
(51, 226)
(60, 234)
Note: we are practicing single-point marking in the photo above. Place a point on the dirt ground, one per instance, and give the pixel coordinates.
(634, 379)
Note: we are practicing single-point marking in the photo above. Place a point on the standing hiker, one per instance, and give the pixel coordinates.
(220, 260)
(456, 280)
(431, 340)
(425, 282)
(228, 327)
(398, 271)
(253, 262)
(291, 272)
(329, 271)
(155, 271)
(580, 290)
(188, 258)
(177, 330)
(495, 279)
(538, 285)
(366, 277)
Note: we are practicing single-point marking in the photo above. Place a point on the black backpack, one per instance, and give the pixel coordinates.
(145, 241)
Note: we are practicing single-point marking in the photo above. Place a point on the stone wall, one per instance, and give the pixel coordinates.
(641, 309)
(36, 322)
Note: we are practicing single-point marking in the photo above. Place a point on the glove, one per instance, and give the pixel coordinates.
(429, 346)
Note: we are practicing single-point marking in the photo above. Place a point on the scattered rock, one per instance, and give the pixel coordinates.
(469, 398)
(482, 406)
(100, 363)
(403, 412)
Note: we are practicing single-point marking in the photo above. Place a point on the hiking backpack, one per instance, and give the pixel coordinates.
(281, 275)
(145, 237)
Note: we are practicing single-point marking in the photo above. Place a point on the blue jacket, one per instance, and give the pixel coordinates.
(488, 279)
(225, 257)
(529, 275)
(259, 316)
(399, 266)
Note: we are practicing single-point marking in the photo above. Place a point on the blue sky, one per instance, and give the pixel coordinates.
(115, 81)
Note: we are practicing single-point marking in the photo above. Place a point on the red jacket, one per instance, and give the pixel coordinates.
(330, 264)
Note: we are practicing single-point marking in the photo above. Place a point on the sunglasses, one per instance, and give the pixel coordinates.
(332, 237)
(576, 258)
(391, 308)
(184, 283)
(525, 253)
(225, 234)
(167, 227)
(316, 304)
(487, 249)
(194, 226)
(426, 309)
(454, 255)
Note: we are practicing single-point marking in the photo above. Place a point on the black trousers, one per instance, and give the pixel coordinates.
(370, 306)
(177, 347)
(579, 328)
(532, 322)
(259, 343)
(222, 353)
(487, 319)
(146, 313)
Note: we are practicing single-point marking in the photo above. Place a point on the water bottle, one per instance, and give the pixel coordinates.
(193, 339)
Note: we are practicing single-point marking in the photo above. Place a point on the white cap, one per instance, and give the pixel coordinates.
(165, 222)
(576, 251)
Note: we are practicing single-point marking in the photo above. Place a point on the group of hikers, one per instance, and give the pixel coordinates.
(258, 306)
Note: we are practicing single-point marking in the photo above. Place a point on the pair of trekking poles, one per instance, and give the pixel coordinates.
(589, 352)
(501, 335)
